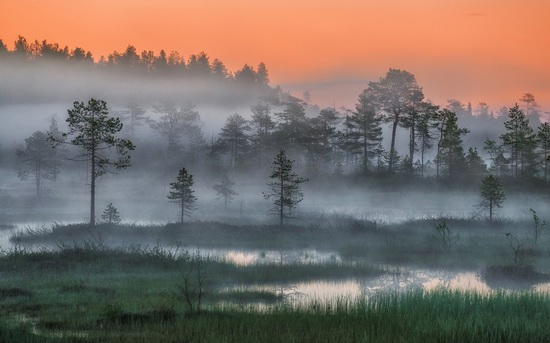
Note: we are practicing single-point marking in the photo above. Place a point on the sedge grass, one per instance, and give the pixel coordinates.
(438, 316)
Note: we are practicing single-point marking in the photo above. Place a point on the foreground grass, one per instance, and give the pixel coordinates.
(409, 317)
(80, 290)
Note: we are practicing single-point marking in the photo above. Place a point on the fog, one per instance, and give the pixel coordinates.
(32, 94)
(426, 222)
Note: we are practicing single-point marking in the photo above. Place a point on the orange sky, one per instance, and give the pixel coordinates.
(472, 50)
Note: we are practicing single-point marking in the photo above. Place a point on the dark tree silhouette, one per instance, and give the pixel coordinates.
(110, 215)
(451, 153)
(395, 96)
(543, 140)
(492, 194)
(364, 131)
(285, 189)
(182, 194)
(234, 139)
(95, 133)
(519, 140)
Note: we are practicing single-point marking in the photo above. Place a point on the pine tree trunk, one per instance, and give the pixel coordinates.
(282, 203)
(182, 209)
(37, 177)
(412, 147)
(392, 146)
(491, 209)
(92, 189)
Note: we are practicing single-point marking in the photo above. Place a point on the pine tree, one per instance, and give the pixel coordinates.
(492, 194)
(225, 191)
(110, 215)
(285, 189)
(451, 154)
(234, 138)
(364, 131)
(182, 193)
(543, 140)
(475, 166)
(95, 133)
(519, 140)
(38, 160)
(262, 125)
(395, 96)
(496, 153)
(425, 127)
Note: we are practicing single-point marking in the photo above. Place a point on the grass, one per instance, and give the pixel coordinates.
(73, 287)
(414, 242)
(418, 316)
(90, 292)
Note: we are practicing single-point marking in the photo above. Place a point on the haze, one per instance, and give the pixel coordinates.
(488, 50)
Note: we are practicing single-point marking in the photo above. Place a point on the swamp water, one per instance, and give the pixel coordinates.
(397, 279)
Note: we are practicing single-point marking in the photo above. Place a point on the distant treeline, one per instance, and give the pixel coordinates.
(327, 141)
(164, 64)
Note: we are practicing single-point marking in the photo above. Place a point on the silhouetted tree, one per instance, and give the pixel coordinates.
(94, 132)
(451, 152)
(458, 108)
(322, 135)
(425, 132)
(440, 122)
(246, 76)
(519, 140)
(219, 71)
(37, 157)
(475, 166)
(262, 125)
(262, 75)
(225, 190)
(196, 144)
(395, 95)
(543, 140)
(410, 121)
(110, 215)
(285, 189)
(364, 132)
(482, 111)
(56, 158)
(496, 154)
(530, 105)
(233, 138)
(134, 116)
(199, 65)
(492, 194)
(174, 124)
(182, 194)
(292, 129)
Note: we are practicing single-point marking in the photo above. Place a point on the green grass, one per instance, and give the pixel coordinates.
(411, 243)
(438, 316)
(88, 292)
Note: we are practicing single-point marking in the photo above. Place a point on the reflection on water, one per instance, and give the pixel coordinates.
(396, 280)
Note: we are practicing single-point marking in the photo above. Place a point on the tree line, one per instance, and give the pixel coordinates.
(329, 142)
(130, 61)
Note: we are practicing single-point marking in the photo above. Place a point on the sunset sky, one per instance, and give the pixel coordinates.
(471, 50)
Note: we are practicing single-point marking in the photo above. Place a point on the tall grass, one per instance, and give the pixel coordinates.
(439, 316)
